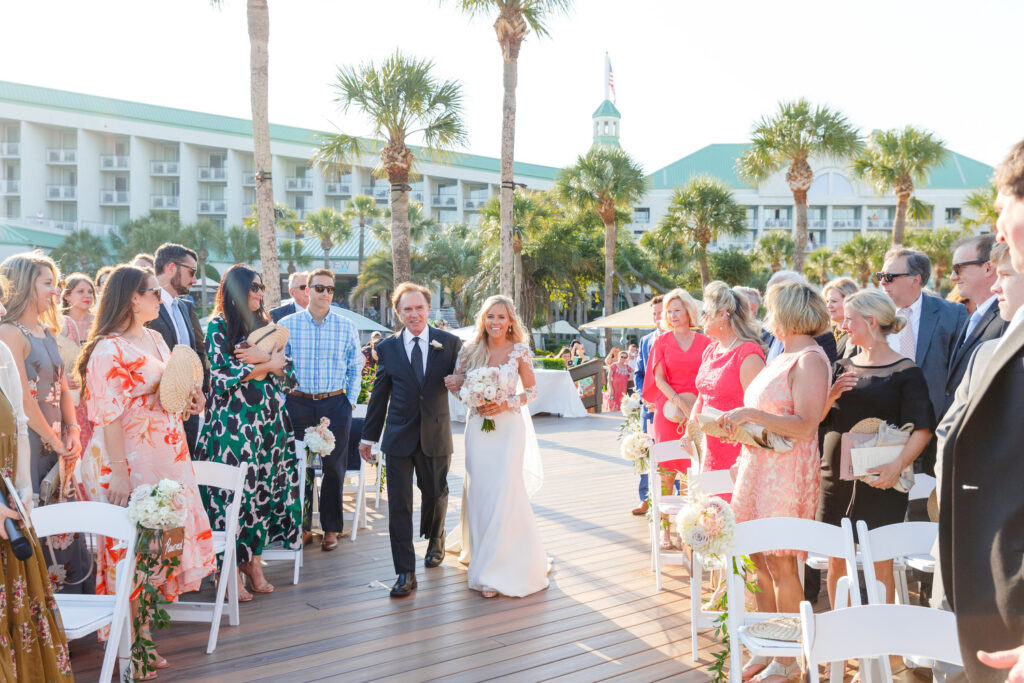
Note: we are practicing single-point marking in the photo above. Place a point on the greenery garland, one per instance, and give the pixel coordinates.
(148, 565)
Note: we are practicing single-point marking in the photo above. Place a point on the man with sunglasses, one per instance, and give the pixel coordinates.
(324, 348)
(178, 323)
(931, 332)
(299, 292)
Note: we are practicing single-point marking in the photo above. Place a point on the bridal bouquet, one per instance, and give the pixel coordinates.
(636, 445)
(483, 386)
(319, 440)
(707, 525)
(158, 507)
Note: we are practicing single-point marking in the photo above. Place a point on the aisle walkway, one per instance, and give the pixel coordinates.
(601, 618)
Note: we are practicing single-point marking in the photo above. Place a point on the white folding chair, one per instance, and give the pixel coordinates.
(708, 483)
(294, 554)
(778, 533)
(669, 505)
(85, 614)
(355, 483)
(877, 631)
(221, 476)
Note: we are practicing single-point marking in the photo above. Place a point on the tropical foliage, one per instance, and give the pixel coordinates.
(144, 235)
(775, 250)
(937, 244)
(863, 255)
(81, 251)
(982, 202)
(328, 226)
(819, 265)
(359, 210)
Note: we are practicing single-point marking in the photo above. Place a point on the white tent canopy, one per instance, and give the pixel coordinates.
(638, 317)
(464, 333)
(557, 327)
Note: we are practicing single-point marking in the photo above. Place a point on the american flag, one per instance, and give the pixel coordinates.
(611, 80)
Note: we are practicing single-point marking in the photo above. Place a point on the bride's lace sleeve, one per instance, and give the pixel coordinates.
(521, 352)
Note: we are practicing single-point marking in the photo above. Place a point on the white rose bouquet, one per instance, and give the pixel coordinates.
(483, 386)
(319, 440)
(630, 406)
(636, 446)
(707, 525)
(158, 507)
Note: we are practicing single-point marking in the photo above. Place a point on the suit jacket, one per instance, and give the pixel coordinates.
(281, 311)
(196, 339)
(826, 341)
(991, 326)
(643, 356)
(410, 415)
(981, 511)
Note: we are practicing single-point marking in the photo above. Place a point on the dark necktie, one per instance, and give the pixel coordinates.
(417, 361)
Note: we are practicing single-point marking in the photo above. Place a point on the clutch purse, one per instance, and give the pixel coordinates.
(872, 443)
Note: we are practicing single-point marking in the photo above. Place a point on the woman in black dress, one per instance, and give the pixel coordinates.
(878, 382)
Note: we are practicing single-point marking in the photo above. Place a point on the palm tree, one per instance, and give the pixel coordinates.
(516, 18)
(701, 212)
(360, 209)
(454, 258)
(819, 265)
(293, 253)
(421, 224)
(330, 227)
(937, 245)
(258, 19)
(378, 274)
(601, 181)
(286, 218)
(774, 250)
(401, 98)
(144, 235)
(531, 210)
(788, 139)
(982, 201)
(863, 255)
(204, 235)
(241, 245)
(894, 160)
(82, 251)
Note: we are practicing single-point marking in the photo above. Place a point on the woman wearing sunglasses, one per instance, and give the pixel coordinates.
(135, 441)
(246, 423)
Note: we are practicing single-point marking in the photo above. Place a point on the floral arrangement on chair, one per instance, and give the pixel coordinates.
(634, 443)
(319, 441)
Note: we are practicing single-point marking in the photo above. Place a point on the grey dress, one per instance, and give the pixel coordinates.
(67, 557)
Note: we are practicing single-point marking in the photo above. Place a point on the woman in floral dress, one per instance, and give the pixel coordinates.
(29, 325)
(136, 441)
(246, 423)
(76, 301)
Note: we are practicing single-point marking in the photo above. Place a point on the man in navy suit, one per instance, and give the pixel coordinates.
(299, 291)
(646, 416)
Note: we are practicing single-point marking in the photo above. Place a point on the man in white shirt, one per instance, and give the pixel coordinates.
(298, 289)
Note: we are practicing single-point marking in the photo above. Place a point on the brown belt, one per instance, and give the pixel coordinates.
(318, 397)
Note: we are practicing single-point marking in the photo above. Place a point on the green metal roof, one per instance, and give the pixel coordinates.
(28, 238)
(63, 100)
(347, 251)
(719, 160)
(607, 109)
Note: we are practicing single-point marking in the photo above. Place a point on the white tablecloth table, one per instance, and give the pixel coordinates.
(556, 394)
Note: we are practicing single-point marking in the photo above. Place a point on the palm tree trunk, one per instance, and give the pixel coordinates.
(259, 35)
(899, 223)
(400, 230)
(510, 71)
(359, 270)
(609, 273)
(705, 272)
(799, 229)
(202, 280)
(519, 279)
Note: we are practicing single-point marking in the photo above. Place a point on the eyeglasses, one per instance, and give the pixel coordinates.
(257, 288)
(320, 289)
(957, 267)
(192, 271)
(888, 277)
(155, 291)
(302, 288)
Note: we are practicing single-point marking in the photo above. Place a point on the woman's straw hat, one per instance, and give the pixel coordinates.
(183, 372)
(69, 351)
(269, 338)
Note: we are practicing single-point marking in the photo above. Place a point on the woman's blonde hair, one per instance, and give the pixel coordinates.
(689, 305)
(719, 297)
(475, 353)
(874, 303)
(795, 308)
(844, 285)
(18, 275)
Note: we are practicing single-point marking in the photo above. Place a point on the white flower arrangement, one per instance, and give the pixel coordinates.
(630, 406)
(636, 446)
(163, 506)
(319, 439)
(436, 345)
(707, 525)
(482, 386)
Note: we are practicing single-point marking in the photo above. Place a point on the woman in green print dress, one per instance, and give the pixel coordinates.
(246, 423)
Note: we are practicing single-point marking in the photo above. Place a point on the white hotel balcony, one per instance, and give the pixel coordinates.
(165, 168)
(444, 200)
(248, 179)
(164, 201)
(212, 206)
(379, 192)
(114, 198)
(213, 174)
(10, 149)
(475, 204)
(337, 189)
(113, 162)
(298, 184)
(10, 187)
(879, 222)
(61, 156)
(61, 193)
(778, 223)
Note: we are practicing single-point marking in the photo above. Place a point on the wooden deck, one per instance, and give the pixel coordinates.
(601, 618)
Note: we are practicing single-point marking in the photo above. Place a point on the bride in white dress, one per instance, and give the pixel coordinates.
(499, 537)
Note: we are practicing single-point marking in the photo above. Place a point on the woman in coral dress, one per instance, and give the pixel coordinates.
(788, 397)
(136, 441)
(619, 373)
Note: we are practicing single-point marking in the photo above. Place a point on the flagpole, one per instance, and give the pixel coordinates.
(607, 75)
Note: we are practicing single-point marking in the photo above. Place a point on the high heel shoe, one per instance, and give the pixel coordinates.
(266, 587)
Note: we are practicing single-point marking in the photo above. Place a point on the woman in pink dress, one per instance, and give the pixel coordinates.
(619, 373)
(136, 441)
(76, 302)
(788, 397)
(728, 367)
(670, 379)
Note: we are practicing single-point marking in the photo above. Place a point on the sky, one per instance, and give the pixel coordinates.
(687, 72)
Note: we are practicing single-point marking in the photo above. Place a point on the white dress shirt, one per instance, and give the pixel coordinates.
(177, 317)
(424, 337)
(915, 325)
(972, 322)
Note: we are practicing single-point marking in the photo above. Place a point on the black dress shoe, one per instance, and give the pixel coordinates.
(405, 585)
(435, 553)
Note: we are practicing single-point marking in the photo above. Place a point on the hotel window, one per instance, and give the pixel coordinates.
(953, 214)
(641, 215)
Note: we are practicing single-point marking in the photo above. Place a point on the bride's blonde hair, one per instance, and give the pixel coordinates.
(475, 352)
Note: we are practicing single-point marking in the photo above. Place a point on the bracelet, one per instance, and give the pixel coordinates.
(73, 425)
(119, 462)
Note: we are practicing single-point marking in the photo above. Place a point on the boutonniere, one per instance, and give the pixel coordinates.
(436, 345)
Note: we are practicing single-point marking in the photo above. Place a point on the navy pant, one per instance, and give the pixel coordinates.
(647, 418)
(305, 412)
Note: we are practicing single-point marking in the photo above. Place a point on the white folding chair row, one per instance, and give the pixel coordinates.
(293, 554)
(359, 411)
(354, 482)
(710, 483)
(221, 476)
(876, 631)
(778, 533)
(85, 614)
(669, 505)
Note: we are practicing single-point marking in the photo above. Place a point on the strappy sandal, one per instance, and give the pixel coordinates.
(761, 663)
(788, 673)
(488, 593)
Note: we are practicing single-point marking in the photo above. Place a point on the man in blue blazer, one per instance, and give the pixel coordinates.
(646, 342)
(299, 292)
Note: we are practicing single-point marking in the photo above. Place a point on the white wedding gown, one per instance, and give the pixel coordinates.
(498, 536)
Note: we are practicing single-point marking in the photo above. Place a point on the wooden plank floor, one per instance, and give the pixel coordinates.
(601, 618)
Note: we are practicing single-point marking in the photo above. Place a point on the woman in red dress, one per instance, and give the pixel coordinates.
(728, 366)
(619, 373)
(671, 378)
